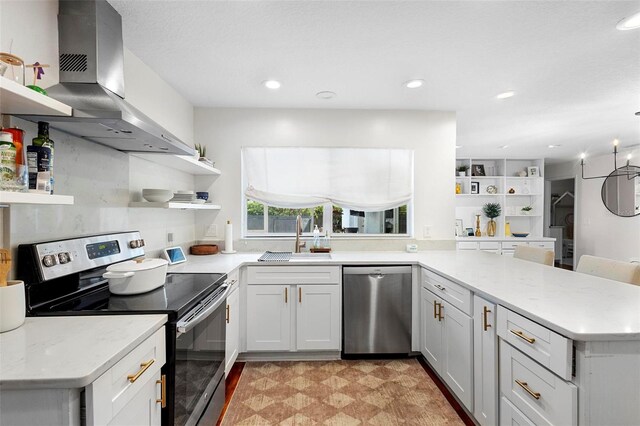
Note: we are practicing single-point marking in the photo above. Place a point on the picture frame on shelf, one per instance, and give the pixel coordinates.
(460, 232)
(477, 170)
(475, 187)
(533, 171)
(470, 232)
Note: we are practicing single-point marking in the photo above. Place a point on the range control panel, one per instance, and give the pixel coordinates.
(65, 257)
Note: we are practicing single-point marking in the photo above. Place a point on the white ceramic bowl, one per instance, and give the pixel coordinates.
(157, 195)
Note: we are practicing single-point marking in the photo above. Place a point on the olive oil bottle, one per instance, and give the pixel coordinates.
(44, 141)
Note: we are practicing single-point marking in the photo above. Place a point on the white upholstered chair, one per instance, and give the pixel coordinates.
(534, 254)
(611, 269)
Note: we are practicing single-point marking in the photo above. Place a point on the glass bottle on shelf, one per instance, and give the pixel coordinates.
(44, 141)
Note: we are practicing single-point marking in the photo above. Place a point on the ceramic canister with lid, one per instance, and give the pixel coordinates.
(136, 276)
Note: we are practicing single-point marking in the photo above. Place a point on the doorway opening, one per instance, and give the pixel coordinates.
(561, 221)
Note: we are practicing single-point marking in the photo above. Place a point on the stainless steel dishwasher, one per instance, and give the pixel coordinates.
(376, 310)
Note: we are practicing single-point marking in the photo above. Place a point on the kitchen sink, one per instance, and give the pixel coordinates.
(310, 256)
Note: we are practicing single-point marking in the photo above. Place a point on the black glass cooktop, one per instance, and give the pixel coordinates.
(179, 294)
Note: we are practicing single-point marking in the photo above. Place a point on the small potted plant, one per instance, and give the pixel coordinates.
(526, 210)
(462, 170)
(491, 210)
(201, 154)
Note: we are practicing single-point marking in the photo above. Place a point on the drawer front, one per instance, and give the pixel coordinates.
(489, 245)
(453, 293)
(233, 279)
(513, 244)
(293, 275)
(112, 391)
(543, 345)
(511, 416)
(467, 245)
(542, 396)
(549, 245)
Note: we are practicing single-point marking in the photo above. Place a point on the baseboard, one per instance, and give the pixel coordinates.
(290, 356)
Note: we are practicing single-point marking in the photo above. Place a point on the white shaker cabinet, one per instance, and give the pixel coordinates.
(318, 311)
(232, 341)
(485, 362)
(268, 317)
(446, 343)
(144, 408)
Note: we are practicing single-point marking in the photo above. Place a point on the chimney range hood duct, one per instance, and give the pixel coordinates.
(92, 83)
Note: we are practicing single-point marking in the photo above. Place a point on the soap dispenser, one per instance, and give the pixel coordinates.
(316, 237)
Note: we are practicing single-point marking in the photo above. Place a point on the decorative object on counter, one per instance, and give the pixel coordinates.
(174, 255)
(470, 232)
(203, 195)
(157, 195)
(477, 170)
(38, 72)
(520, 234)
(12, 60)
(203, 249)
(462, 170)
(228, 238)
(458, 188)
(511, 191)
(522, 173)
(136, 276)
(507, 229)
(533, 171)
(526, 210)
(12, 300)
(41, 144)
(460, 228)
(475, 187)
(478, 231)
(491, 210)
(492, 189)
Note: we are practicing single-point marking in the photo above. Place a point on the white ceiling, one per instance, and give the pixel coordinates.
(576, 78)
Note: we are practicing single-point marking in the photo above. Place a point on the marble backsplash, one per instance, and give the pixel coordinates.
(103, 181)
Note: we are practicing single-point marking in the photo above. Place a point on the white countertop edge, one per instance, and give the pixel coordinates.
(85, 378)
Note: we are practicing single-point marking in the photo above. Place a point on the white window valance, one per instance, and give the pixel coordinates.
(366, 179)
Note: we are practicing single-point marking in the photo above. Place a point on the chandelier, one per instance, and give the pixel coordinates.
(629, 171)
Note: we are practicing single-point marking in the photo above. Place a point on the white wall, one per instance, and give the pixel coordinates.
(430, 134)
(598, 232)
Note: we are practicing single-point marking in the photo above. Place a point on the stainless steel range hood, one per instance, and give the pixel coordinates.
(92, 83)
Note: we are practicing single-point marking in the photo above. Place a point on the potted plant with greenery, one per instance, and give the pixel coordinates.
(526, 210)
(462, 170)
(491, 210)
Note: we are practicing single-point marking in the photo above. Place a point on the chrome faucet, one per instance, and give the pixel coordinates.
(299, 244)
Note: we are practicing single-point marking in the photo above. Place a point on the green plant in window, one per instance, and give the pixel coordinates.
(254, 208)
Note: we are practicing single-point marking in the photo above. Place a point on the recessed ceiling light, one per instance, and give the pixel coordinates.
(638, 113)
(504, 147)
(272, 84)
(413, 84)
(326, 95)
(505, 95)
(458, 146)
(554, 146)
(630, 22)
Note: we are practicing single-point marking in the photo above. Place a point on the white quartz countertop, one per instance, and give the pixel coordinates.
(578, 306)
(509, 239)
(69, 352)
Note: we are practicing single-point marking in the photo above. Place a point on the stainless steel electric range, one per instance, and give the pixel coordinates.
(65, 278)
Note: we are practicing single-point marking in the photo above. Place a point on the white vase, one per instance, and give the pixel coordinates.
(12, 306)
(462, 174)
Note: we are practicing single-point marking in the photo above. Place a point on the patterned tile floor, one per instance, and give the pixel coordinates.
(345, 393)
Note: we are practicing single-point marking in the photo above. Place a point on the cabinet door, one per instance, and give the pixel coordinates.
(431, 328)
(232, 343)
(318, 317)
(457, 351)
(269, 317)
(485, 362)
(143, 408)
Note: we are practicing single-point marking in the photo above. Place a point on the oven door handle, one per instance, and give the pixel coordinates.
(185, 326)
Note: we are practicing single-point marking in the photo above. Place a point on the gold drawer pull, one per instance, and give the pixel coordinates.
(521, 335)
(286, 295)
(143, 367)
(485, 311)
(300, 294)
(435, 309)
(228, 310)
(527, 389)
(440, 308)
(163, 391)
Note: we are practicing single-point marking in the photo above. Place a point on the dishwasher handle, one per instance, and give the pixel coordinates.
(376, 271)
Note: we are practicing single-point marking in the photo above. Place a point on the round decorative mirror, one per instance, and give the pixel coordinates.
(621, 191)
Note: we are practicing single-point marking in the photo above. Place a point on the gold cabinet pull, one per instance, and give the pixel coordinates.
(286, 295)
(435, 309)
(300, 294)
(440, 308)
(163, 391)
(521, 335)
(527, 389)
(228, 310)
(485, 311)
(143, 367)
